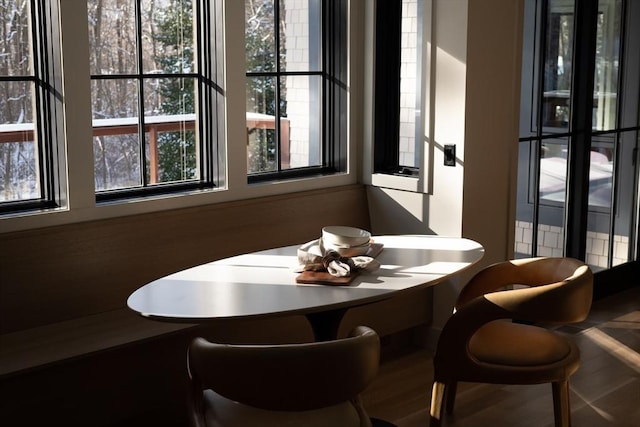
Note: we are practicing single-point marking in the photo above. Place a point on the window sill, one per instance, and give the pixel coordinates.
(396, 182)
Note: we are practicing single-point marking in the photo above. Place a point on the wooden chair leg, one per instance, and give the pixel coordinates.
(561, 407)
(437, 400)
(450, 396)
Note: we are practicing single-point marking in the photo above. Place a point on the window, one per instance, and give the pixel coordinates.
(28, 158)
(139, 114)
(398, 87)
(154, 68)
(577, 177)
(296, 87)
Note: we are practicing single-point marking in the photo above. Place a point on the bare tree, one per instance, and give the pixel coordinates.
(17, 158)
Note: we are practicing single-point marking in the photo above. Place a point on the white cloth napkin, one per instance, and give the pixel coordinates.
(313, 256)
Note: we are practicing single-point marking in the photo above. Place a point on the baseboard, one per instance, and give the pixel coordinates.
(616, 279)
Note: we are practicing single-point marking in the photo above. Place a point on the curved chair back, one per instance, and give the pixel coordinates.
(477, 345)
(556, 290)
(289, 377)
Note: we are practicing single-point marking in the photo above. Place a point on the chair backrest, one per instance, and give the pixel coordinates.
(289, 377)
(479, 344)
(558, 290)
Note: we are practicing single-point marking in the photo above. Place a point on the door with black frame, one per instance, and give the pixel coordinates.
(577, 171)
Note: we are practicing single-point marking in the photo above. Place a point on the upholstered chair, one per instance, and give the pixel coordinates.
(499, 332)
(307, 384)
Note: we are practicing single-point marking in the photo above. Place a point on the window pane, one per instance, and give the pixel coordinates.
(600, 185)
(167, 36)
(300, 127)
(15, 40)
(16, 102)
(154, 129)
(300, 35)
(19, 163)
(553, 172)
(288, 87)
(607, 62)
(545, 180)
(170, 136)
(409, 85)
(261, 124)
(18, 151)
(397, 110)
(601, 172)
(558, 56)
(116, 144)
(260, 36)
(553, 187)
(112, 36)
(18, 171)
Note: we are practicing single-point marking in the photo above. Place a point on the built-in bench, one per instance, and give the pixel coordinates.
(41, 347)
(63, 292)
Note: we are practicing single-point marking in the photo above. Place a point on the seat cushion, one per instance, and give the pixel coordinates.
(513, 344)
(222, 412)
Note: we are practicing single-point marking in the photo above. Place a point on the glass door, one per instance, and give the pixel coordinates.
(577, 177)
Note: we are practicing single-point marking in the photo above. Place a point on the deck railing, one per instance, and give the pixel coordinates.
(153, 126)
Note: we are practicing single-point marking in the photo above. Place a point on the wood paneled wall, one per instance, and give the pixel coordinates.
(58, 273)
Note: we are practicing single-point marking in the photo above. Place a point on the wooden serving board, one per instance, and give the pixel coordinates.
(325, 278)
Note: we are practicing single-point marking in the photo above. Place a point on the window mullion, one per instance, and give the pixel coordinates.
(278, 92)
(141, 107)
(576, 212)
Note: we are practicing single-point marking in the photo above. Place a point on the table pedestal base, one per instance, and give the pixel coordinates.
(325, 324)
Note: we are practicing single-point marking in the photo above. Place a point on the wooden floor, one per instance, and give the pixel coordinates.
(604, 392)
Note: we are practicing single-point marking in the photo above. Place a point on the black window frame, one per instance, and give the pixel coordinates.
(386, 112)
(334, 73)
(209, 75)
(47, 114)
(577, 214)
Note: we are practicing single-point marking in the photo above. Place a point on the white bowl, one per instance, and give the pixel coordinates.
(347, 251)
(346, 237)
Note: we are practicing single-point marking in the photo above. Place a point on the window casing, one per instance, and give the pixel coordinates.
(154, 69)
(296, 88)
(398, 87)
(401, 107)
(73, 190)
(29, 106)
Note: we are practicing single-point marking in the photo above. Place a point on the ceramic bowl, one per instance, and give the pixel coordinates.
(345, 237)
(347, 251)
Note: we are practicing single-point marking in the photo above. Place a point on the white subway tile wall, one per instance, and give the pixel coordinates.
(550, 243)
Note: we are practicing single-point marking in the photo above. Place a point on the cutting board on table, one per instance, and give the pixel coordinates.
(325, 278)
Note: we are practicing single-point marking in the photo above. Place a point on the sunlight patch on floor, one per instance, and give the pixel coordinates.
(614, 347)
(627, 321)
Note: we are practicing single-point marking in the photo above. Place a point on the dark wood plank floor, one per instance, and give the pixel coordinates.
(605, 392)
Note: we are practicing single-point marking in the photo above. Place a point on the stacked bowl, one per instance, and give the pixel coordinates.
(347, 241)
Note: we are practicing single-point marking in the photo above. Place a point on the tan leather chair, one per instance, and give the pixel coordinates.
(491, 337)
(309, 384)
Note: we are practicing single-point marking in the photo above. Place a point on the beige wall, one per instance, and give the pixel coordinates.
(473, 92)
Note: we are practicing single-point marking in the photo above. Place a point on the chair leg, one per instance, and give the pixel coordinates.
(561, 407)
(437, 400)
(450, 396)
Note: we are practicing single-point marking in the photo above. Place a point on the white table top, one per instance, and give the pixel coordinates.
(264, 283)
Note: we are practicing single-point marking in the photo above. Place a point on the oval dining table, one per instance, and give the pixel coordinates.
(263, 284)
